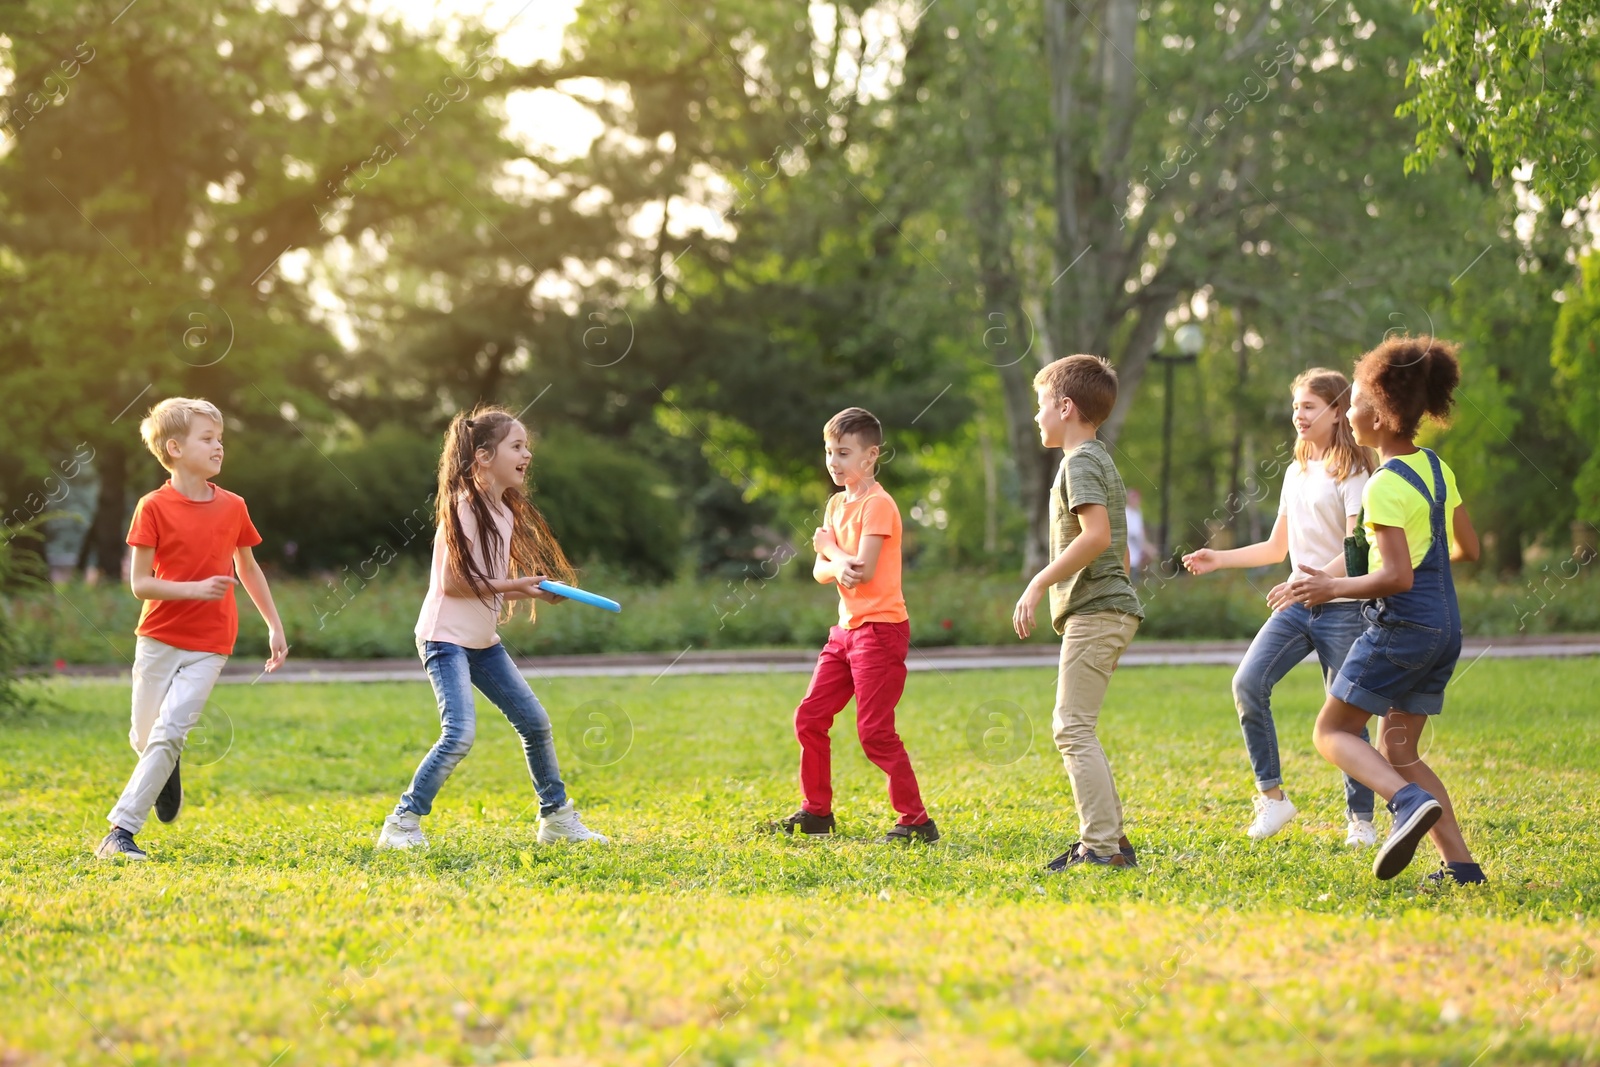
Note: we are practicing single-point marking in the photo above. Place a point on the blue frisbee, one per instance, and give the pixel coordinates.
(581, 596)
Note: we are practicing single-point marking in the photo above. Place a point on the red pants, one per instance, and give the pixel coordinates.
(869, 663)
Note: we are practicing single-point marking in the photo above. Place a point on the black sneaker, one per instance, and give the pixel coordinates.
(119, 845)
(1458, 874)
(1076, 854)
(170, 800)
(806, 823)
(926, 832)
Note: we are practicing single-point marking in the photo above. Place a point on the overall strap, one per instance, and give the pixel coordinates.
(1435, 500)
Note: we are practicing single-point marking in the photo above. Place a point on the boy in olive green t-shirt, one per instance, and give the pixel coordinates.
(1092, 602)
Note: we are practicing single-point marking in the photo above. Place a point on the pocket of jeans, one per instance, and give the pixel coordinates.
(1410, 645)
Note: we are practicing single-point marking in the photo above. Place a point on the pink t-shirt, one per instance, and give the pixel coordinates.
(465, 621)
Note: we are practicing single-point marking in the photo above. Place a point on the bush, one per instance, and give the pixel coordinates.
(374, 617)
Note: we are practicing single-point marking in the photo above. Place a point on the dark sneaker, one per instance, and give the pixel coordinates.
(119, 845)
(1458, 874)
(902, 833)
(170, 800)
(1415, 811)
(1074, 855)
(805, 822)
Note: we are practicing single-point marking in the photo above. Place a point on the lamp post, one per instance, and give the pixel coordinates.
(1189, 339)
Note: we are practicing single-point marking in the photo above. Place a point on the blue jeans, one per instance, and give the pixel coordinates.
(454, 670)
(1283, 641)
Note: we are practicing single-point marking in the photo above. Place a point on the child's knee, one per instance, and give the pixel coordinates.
(881, 742)
(458, 741)
(1249, 690)
(1075, 738)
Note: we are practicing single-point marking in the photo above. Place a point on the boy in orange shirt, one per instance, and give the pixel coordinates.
(188, 537)
(858, 548)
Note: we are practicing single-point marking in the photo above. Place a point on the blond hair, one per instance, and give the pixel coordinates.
(1343, 457)
(170, 421)
(1090, 382)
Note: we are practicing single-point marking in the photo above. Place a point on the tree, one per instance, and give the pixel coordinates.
(147, 206)
(1511, 84)
(1116, 160)
(1576, 355)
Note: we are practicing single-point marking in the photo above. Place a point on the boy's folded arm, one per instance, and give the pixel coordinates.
(869, 551)
(824, 570)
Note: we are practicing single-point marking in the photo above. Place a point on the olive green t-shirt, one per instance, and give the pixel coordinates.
(1087, 476)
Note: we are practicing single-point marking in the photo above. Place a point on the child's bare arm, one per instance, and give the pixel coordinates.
(523, 588)
(1093, 539)
(1261, 554)
(1315, 587)
(825, 544)
(867, 556)
(1466, 548)
(255, 584)
(146, 586)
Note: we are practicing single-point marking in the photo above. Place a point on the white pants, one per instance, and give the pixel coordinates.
(170, 690)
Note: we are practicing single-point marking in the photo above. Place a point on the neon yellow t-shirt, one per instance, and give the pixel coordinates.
(1392, 501)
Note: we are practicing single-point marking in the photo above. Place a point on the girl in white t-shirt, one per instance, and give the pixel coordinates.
(1320, 504)
(491, 547)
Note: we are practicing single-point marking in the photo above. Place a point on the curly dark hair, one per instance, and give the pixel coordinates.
(1406, 378)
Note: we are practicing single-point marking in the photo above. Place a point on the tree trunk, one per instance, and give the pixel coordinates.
(1008, 342)
(1236, 506)
(107, 537)
(1508, 549)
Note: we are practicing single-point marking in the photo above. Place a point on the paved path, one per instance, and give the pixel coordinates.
(799, 661)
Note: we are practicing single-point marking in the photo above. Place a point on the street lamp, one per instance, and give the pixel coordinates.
(1189, 338)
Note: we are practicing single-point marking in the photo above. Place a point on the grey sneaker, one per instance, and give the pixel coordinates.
(119, 845)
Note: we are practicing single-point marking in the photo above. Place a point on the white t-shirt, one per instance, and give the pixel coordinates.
(465, 620)
(1318, 510)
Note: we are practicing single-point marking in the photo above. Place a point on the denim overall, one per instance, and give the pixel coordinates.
(1405, 658)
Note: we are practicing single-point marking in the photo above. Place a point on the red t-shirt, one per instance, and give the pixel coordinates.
(194, 540)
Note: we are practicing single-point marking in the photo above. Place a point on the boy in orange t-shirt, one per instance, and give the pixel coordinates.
(858, 548)
(188, 538)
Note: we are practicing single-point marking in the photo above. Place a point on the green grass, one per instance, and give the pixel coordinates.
(266, 929)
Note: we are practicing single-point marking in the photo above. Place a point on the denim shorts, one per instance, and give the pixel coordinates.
(1399, 664)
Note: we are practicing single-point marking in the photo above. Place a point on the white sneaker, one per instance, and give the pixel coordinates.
(402, 831)
(1271, 816)
(563, 824)
(1360, 833)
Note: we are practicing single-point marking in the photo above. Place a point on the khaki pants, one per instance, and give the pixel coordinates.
(1090, 650)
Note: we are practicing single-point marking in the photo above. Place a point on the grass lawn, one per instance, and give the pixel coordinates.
(266, 929)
